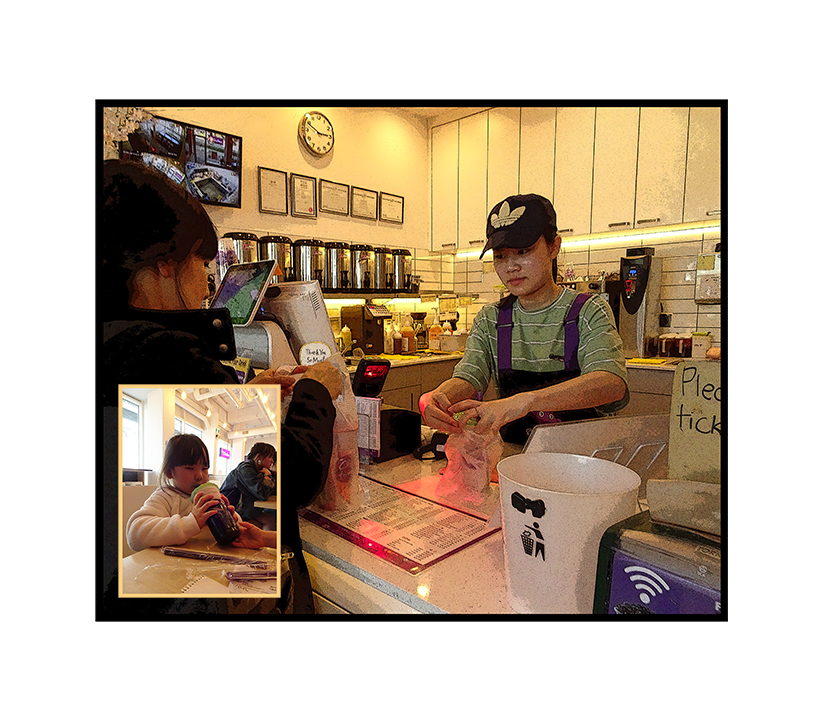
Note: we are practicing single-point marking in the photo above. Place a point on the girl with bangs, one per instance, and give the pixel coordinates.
(169, 517)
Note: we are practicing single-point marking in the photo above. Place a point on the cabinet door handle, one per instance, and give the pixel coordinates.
(649, 220)
(448, 246)
(713, 212)
(566, 230)
(475, 242)
(620, 224)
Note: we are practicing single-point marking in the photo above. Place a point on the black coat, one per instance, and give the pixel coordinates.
(186, 347)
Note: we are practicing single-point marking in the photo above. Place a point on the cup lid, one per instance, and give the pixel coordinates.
(209, 487)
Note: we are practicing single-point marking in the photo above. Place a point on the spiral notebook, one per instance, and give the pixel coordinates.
(204, 586)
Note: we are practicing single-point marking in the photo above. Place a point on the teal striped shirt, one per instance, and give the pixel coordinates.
(538, 343)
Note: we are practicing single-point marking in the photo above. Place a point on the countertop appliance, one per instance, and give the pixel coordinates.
(648, 568)
(639, 301)
(366, 325)
(399, 428)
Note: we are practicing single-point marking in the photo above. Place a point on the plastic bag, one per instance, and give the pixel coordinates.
(471, 466)
(342, 489)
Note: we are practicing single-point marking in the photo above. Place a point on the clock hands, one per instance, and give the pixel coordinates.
(317, 131)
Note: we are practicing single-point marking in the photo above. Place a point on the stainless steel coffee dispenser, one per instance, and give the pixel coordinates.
(383, 278)
(338, 263)
(639, 301)
(234, 248)
(362, 266)
(401, 266)
(278, 248)
(308, 259)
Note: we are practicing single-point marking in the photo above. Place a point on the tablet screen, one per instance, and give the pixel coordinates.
(242, 290)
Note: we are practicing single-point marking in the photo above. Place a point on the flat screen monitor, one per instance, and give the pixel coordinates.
(243, 289)
(208, 162)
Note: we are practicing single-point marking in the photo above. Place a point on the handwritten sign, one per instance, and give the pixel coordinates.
(695, 425)
(314, 352)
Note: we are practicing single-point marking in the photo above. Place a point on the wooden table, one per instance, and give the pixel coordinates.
(151, 572)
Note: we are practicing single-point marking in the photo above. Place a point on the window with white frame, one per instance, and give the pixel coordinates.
(130, 440)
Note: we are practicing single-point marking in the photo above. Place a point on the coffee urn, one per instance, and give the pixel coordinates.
(362, 266)
(234, 248)
(338, 261)
(307, 256)
(639, 302)
(278, 248)
(383, 279)
(401, 265)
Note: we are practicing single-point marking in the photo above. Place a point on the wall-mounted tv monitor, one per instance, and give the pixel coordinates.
(207, 161)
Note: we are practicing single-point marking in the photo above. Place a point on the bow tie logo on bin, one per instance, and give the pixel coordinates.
(521, 504)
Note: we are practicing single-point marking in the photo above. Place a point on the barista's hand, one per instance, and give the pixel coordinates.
(205, 505)
(252, 536)
(274, 377)
(434, 406)
(492, 415)
(327, 375)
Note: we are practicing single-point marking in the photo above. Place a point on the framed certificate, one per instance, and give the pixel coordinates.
(363, 203)
(334, 198)
(273, 187)
(391, 208)
(303, 196)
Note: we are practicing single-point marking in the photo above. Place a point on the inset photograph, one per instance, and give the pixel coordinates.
(199, 487)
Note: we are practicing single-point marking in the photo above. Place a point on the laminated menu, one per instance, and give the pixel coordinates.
(407, 531)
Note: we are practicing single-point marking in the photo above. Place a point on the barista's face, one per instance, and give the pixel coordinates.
(527, 272)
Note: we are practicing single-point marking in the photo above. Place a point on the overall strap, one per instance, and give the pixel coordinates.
(504, 333)
(572, 332)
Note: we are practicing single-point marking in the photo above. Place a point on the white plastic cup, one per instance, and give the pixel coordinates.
(700, 344)
(555, 509)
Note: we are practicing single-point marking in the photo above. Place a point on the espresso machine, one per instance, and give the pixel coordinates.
(639, 317)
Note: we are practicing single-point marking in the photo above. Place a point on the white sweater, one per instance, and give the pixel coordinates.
(164, 519)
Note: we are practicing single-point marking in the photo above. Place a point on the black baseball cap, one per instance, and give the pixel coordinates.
(518, 221)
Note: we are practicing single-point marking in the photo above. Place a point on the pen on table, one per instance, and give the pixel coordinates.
(197, 555)
(252, 574)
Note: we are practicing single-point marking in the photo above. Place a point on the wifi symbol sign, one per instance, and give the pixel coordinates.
(648, 583)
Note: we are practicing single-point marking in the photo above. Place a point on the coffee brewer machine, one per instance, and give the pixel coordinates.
(366, 325)
(639, 301)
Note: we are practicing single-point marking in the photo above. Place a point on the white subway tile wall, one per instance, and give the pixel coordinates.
(470, 277)
(679, 263)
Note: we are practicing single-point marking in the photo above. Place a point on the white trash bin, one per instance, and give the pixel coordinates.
(555, 509)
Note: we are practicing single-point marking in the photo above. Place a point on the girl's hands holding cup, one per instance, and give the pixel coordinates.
(205, 505)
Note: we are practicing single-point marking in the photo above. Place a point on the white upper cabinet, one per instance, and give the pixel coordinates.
(604, 169)
(444, 153)
(504, 155)
(703, 165)
(536, 151)
(615, 168)
(471, 202)
(573, 165)
(661, 166)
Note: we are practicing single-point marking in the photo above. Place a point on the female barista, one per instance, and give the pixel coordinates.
(553, 354)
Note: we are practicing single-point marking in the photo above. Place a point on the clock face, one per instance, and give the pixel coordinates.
(316, 133)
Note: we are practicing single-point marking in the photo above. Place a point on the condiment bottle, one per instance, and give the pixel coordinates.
(434, 336)
(397, 342)
(407, 333)
(345, 335)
